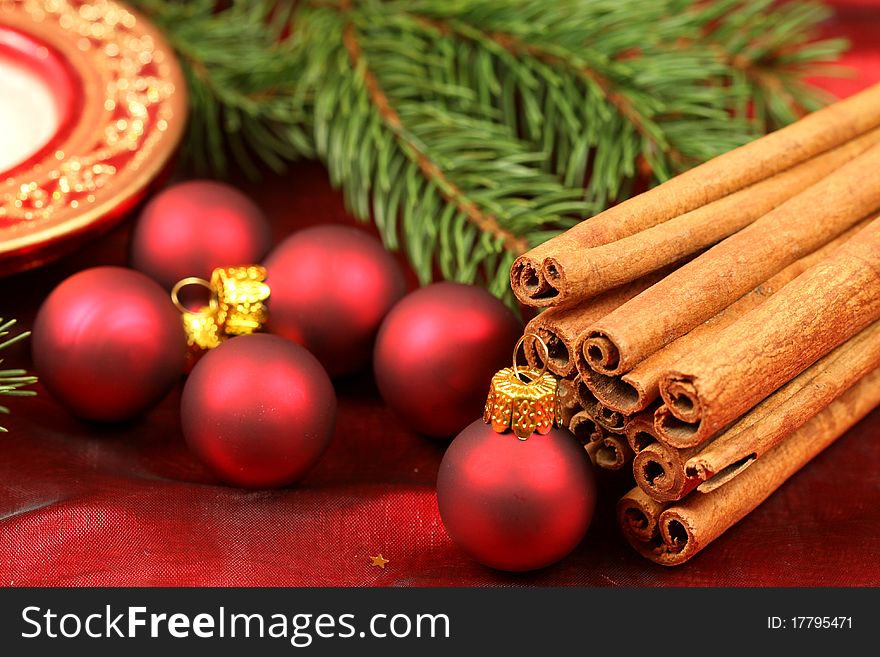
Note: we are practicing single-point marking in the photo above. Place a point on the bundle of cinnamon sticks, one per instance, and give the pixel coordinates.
(721, 329)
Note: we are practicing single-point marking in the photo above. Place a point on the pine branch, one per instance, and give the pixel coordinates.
(11, 381)
(406, 161)
(242, 80)
(487, 223)
(470, 130)
(772, 48)
(593, 103)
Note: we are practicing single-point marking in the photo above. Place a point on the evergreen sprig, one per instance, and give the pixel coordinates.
(241, 76)
(12, 381)
(471, 130)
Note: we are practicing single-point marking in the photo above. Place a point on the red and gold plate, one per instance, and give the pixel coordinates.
(92, 107)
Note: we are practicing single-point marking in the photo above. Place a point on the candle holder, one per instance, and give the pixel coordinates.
(106, 104)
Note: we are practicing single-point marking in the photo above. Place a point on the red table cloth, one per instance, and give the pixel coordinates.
(82, 504)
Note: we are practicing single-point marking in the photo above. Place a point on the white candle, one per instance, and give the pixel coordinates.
(28, 113)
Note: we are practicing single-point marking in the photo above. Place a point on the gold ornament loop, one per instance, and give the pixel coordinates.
(237, 306)
(186, 282)
(525, 407)
(545, 359)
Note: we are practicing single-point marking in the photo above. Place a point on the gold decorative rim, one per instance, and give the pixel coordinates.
(130, 123)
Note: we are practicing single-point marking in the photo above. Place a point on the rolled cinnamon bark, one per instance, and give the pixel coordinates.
(540, 277)
(689, 526)
(561, 327)
(609, 419)
(606, 418)
(667, 474)
(586, 397)
(567, 402)
(634, 391)
(639, 430)
(700, 289)
(785, 410)
(767, 347)
(605, 448)
(659, 470)
(611, 452)
(604, 267)
(585, 428)
(637, 515)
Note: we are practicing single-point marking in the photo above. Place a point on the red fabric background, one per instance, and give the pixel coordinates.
(129, 505)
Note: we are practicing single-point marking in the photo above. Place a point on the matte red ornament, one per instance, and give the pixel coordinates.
(108, 344)
(192, 228)
(436, 353)
(258, 410)
(331, 288)
(515, 504)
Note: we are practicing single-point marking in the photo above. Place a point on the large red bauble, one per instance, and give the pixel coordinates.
(436, 353)
(515, 504)
(258, 410)
(192, 228)
(331, 288)
(108, 343)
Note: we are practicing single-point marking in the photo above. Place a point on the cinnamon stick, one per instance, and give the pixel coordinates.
(640, 387)
(611, 452)
(638, 514)
(606, 450)
(659, 470)
(585, 428)
(668, 474)
(700, 289)
(609, 419)
(769, 422)
(607, 266)
(687, 527)
(639, 430)
(567, 402)
(586, 397)
(813, 314)
(606, 418)
(561, 327)
(538, 278)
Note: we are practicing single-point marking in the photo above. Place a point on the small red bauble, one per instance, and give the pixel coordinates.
(192, 228)
(515, 504)
(108, 343)
(331, 288)
(258, 410)
(436, 353)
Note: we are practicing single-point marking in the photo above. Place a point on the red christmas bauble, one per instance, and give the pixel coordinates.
(258, 410)
(192, 228)
(108, 343)
(436, 353)
(515, 504)
(331, 288)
